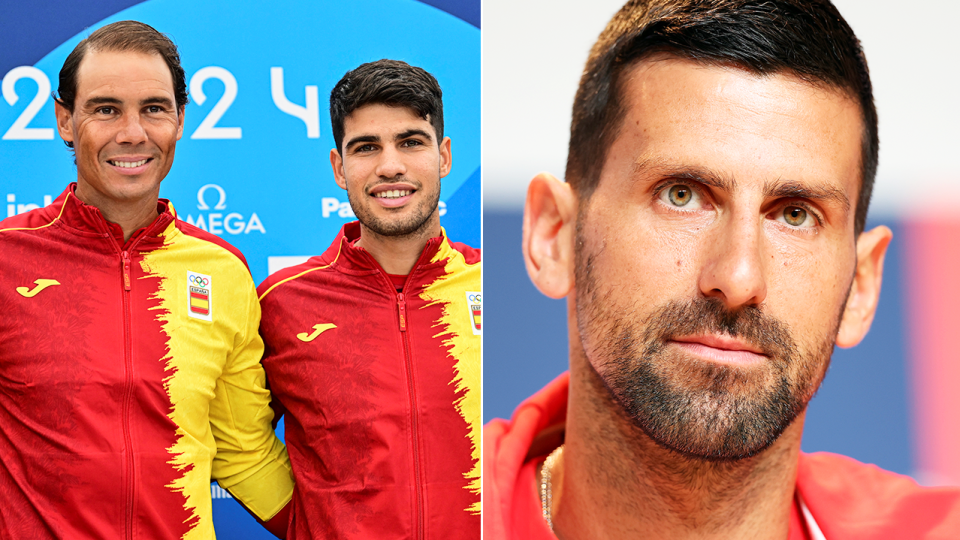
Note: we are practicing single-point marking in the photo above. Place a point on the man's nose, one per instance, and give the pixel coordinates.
(734, 270)
(131, 130)
(391, 163)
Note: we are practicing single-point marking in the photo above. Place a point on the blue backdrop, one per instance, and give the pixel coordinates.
(253, 165)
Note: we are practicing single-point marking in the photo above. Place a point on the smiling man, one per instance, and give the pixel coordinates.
(373, 348)
(130, 372)
(710, 242)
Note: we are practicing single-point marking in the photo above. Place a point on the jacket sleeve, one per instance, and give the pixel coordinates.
(251, 462)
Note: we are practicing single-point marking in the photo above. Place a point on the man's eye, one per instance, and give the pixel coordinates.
(679, 195)
(797, 216)
(412, 142)
(155, 109)
(105, 110)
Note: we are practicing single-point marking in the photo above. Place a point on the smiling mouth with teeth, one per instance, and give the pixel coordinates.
(128, 164)
(393, 194)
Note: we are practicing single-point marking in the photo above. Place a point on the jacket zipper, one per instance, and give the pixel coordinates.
(128, 390)
(130, 486)
(408, 359)
(414, 410)
(414, 413)
(125, 264)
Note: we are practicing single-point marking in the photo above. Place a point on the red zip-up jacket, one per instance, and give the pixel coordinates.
(381, 389)
(129, 377)
(836, 498)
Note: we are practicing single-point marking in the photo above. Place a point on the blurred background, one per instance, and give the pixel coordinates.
(894, 400)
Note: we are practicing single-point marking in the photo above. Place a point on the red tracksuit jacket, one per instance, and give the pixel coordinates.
(847, 500)
(129, 376)
(381, 389)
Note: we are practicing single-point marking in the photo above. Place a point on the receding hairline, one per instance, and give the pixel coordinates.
(94, 49)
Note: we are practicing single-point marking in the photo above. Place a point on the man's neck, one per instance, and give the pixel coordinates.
(616, 482)
(397, 254)
(131, 216)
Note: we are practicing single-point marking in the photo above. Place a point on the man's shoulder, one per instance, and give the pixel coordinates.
(215, 242)
(34, 220)
(288, 274)
(850, 499)
(307, 273)
(471, 255)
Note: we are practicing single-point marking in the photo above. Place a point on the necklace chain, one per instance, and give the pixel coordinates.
(546, 485)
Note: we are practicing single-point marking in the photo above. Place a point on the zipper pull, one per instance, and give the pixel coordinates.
(126, 270)
(402, 309)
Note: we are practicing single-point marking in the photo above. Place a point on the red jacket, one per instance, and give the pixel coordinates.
(129, 376)
(382, 391)
(847, 500)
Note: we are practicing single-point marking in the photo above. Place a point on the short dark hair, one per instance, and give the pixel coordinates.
(808, 38)
(122, 36)
(388, 82)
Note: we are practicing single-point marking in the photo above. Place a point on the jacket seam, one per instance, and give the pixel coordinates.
(301, 274)
(63, 207)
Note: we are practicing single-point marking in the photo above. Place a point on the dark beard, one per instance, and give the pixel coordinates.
(698, 408)
(415, 223)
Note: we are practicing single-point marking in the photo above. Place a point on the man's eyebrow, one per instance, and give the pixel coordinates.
(783, 189)
(661, 169)
(362, 139)
(107, 100)
(157, 100)
(411, 133)
(102, 100)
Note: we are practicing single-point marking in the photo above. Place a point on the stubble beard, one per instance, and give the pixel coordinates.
(411, 225)
(695, 407)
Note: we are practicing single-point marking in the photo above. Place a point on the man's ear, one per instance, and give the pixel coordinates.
(64, 121)
(337, 163)
(180, 121)
(446, 158)
(865, 291)
(549, 223)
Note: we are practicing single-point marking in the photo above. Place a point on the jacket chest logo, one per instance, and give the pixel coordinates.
(475, 306)
(317, 330)
(199, 296)
(41, 284)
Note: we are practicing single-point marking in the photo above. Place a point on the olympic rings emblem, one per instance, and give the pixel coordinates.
(199, 281)
(474, 298)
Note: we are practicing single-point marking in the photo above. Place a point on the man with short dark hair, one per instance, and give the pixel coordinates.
(710, 240)
(129, 364)
(373, 348)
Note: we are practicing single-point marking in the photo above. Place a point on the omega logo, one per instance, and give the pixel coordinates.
(217, 222)
(221, 204)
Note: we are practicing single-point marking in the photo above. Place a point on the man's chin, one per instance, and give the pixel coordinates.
(394, 226)
(712, 446)
(407, 220)
(730, 417)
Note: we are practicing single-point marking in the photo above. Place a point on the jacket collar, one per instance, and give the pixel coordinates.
(87, 220)
(346, 255)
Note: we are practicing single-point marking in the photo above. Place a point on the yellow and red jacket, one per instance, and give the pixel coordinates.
(129, 377)
(381, 389)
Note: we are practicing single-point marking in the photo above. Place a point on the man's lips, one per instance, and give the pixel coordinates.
(392, 195)
(720, 348)
(130, 164)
